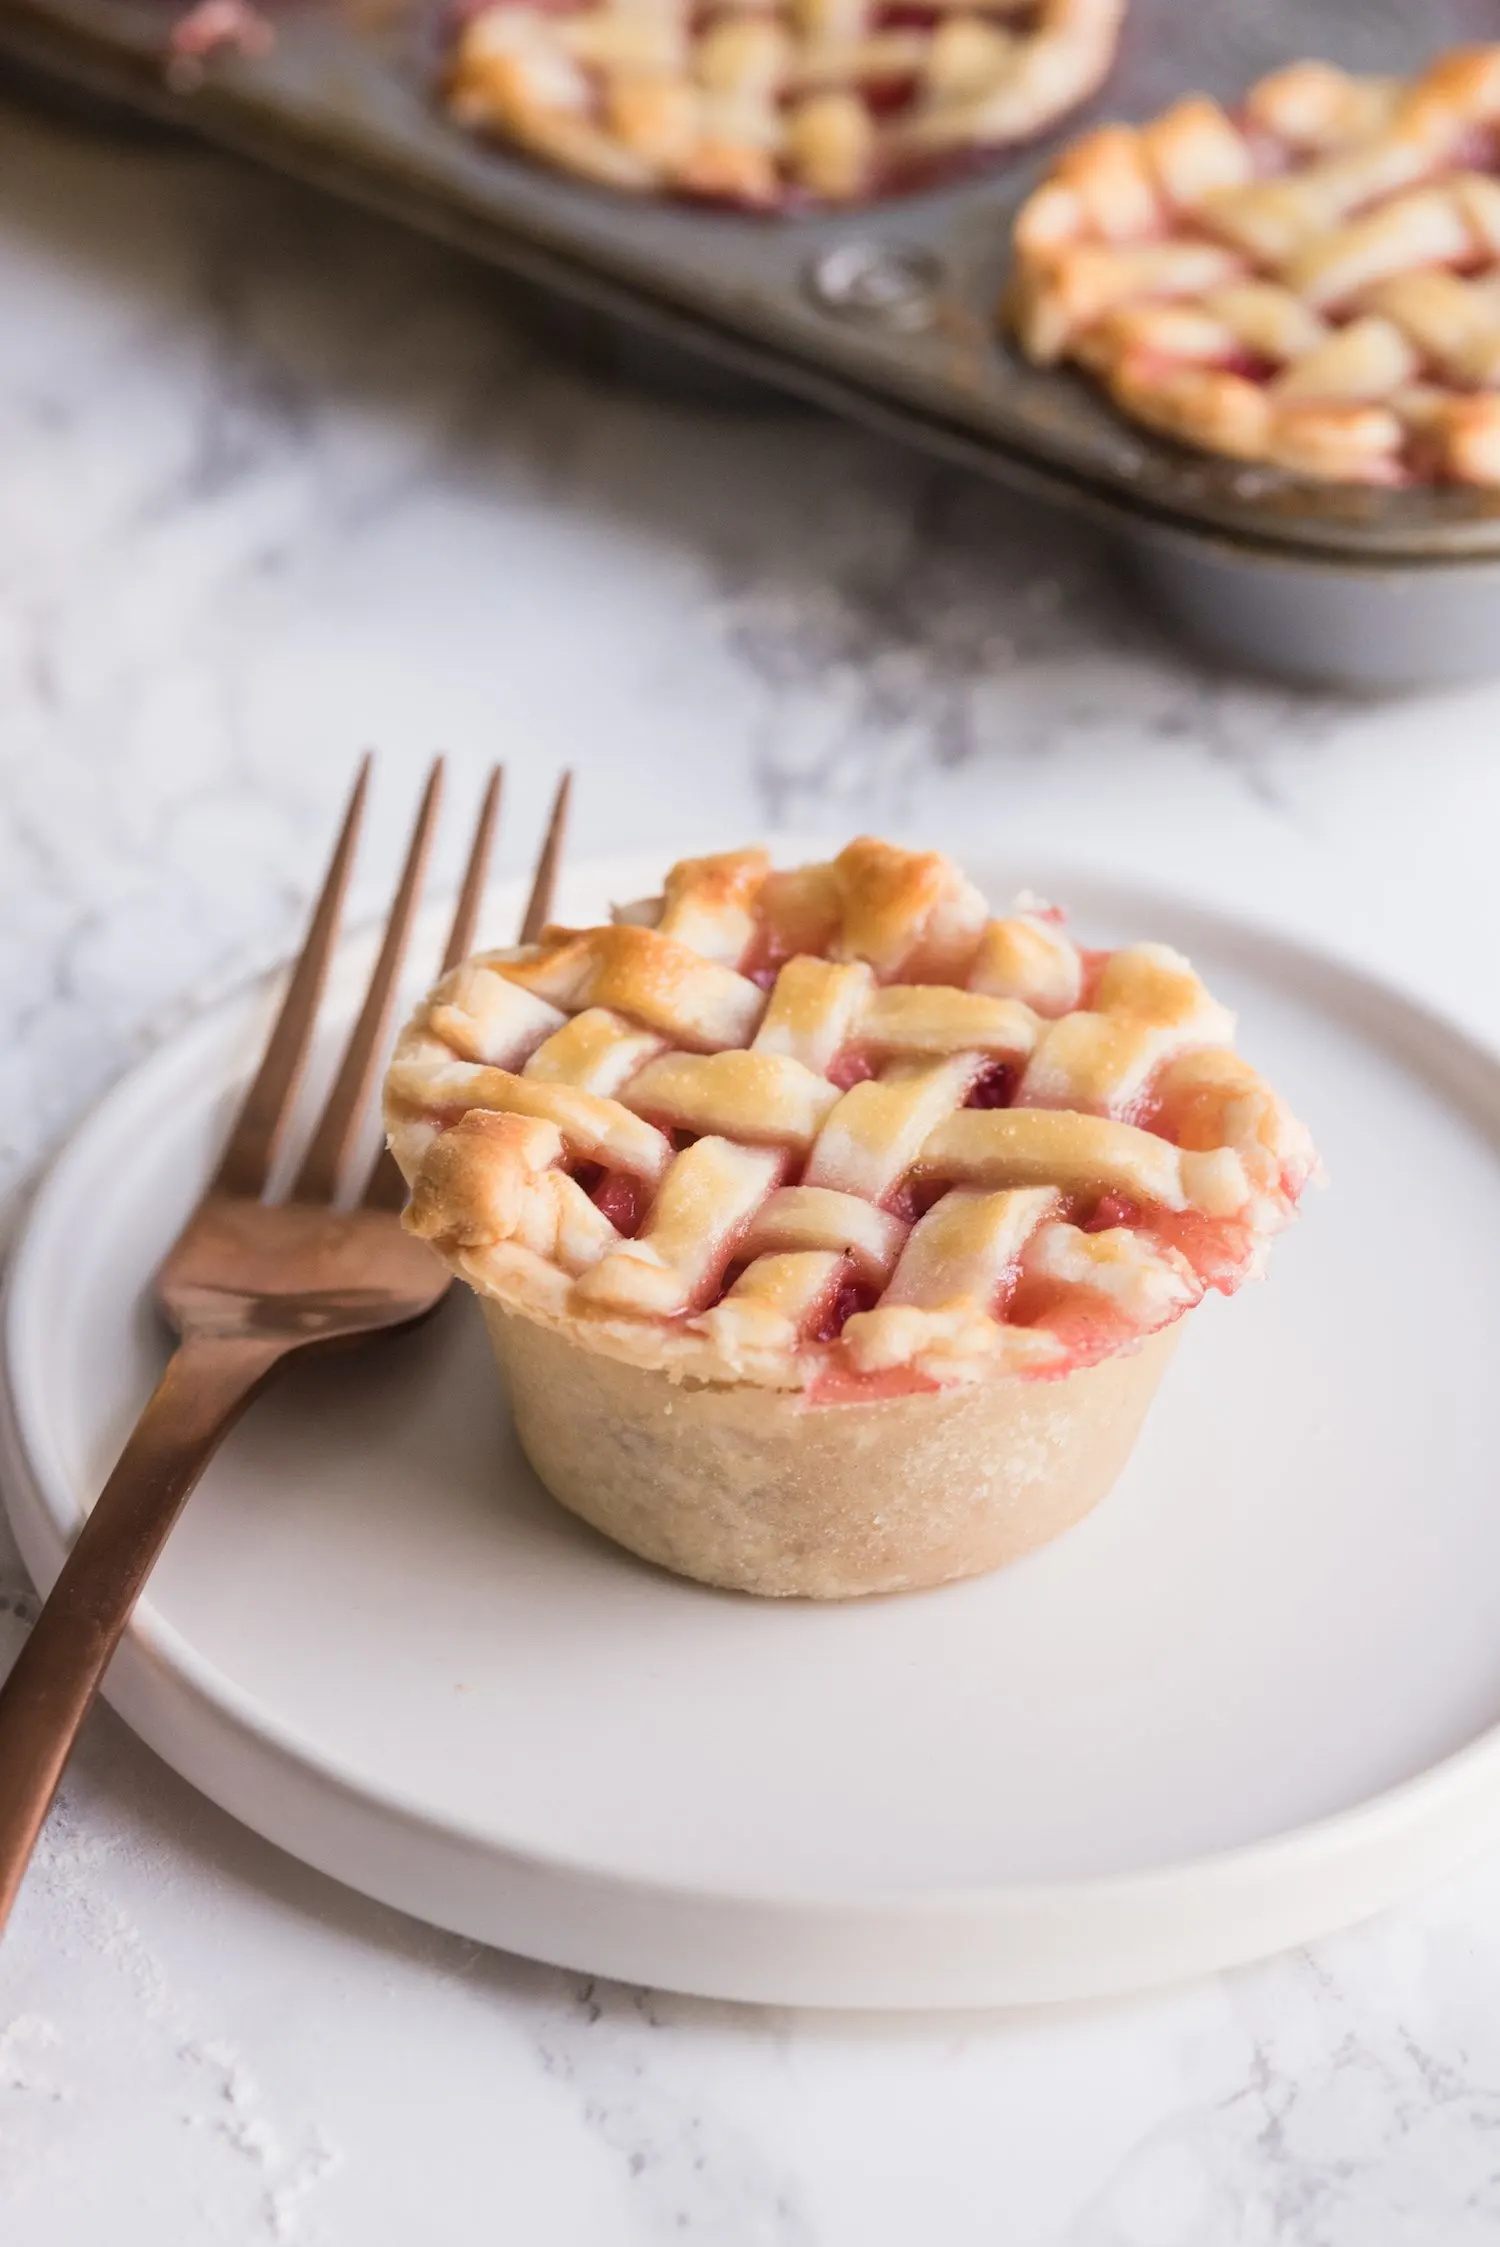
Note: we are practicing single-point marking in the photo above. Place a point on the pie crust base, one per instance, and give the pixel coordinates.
(760, 1492)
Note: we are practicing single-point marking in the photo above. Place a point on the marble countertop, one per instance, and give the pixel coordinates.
(280, 483)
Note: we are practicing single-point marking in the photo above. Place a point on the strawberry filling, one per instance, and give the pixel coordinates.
(1219, 1249)
(852, 1295)
(837, 1382)
(913, 1198)
(849, 1068)
(616, 1195)
(1089, 1327)
(1109, 1211)
(996, 1088)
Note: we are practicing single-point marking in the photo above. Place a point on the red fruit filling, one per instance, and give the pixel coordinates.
(996, 1087)
(1218, 1248)
(1093, 968)
(852, 1295)
(838, 1383)
(620, 1198)
(914, 1198)
(849, 1068)
(1111, 1210)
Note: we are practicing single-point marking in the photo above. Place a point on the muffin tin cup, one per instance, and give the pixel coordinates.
(885, 312)
(1370, 630)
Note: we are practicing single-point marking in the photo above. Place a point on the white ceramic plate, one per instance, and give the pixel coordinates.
(1255, 1695)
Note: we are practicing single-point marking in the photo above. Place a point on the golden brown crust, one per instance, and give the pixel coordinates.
(730, 1183)
(650, 977)
(1314, 285)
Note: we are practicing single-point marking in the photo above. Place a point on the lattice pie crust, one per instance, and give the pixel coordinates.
(764, 102)
(835, 1125)
(820, 1218)
(1313, 282)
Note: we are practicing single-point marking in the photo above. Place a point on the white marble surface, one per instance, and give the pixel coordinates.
(278, 483)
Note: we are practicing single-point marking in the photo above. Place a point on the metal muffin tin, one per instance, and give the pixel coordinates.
(885, 312)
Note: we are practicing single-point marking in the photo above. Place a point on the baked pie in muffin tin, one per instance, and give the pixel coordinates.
(767, 103)
(1313, 282)
(832, 1232)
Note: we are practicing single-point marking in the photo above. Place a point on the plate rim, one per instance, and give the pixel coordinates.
(1188, 1915)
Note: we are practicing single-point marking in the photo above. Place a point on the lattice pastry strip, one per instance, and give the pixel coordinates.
(706, 1200)
(486, 1017)
(1144, 1283)
(597, 1051)
(593, 1129)
(764, 102)
(1314, 283)
(813, 1011)
(494, 1177)
(770, 1309)
(908, 915)
(1028, 957)
(807, 1218)
(761, 1096)
(943, 1295)
(880, 1129)
(945, 1145)
(1031, 1146)
(1147, 1004)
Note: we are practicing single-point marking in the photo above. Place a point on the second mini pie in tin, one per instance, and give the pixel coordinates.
(1313, 282)
(773, 103)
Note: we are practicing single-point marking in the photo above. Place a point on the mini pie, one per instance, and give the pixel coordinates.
(831, 1233)
(766, 102)
(1313, 282)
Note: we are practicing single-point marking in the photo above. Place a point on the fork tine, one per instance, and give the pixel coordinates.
(328, 1153)
(476, 874)
(257, 1129)
(539, 904)
(387, 1187)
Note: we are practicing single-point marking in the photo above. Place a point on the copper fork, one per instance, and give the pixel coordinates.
(249, 1284)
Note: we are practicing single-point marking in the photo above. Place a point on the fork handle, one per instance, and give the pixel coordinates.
(208, 1381)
